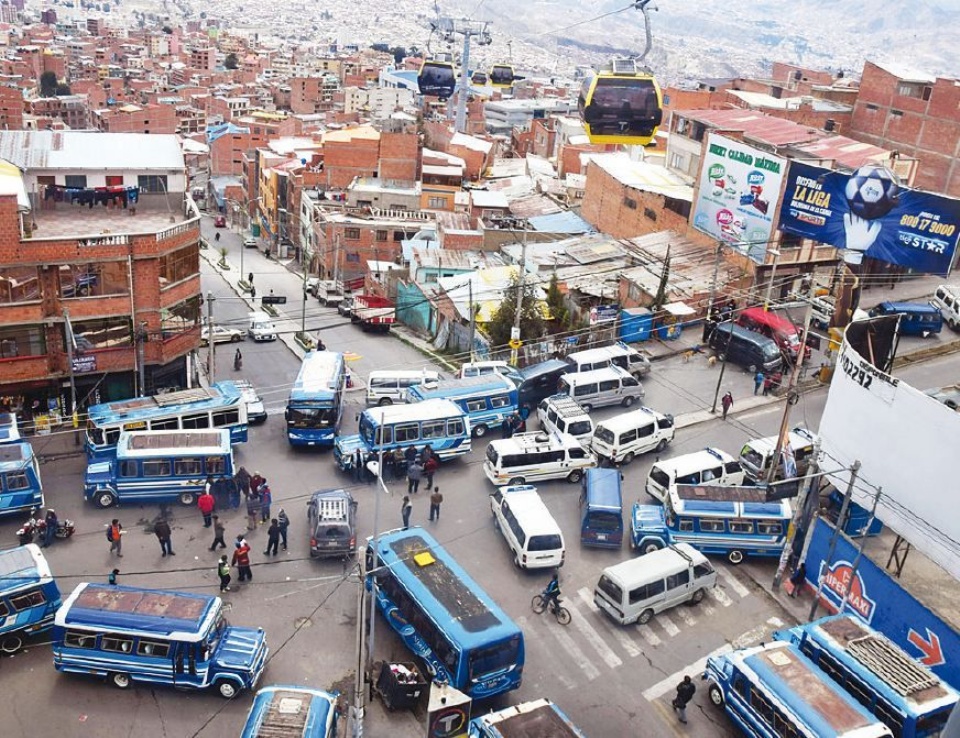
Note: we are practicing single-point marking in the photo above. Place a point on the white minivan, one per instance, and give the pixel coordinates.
(387, 386)
(947, 298)
(528, 527)
(711, 466)
(563, 414)
(602, 387)
(757, 453)
(261, 327)
(619, 439)
(617, 354)
(528, 457)
(634, 591)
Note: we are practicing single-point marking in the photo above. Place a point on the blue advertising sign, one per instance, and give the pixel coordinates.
(869, 213)
(883, 604)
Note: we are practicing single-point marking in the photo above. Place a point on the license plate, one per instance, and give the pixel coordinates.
(332, 544)
(601, 537)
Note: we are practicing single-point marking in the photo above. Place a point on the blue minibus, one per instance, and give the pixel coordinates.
(731, 521)
(773, 690)
(299, 712)
(159, 466)
(20, 487)
(315, 406)
(601, 509)
(29, 596)
(916, 318)
(178, 639)
(900, 691)
(221, 405)
(443, 616)
(487, 400)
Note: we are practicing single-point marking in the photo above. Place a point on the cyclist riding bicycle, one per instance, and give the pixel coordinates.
(551, 594)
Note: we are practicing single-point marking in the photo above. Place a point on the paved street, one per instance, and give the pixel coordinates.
(613, 681)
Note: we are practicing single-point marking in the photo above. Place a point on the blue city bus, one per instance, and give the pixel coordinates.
(902, 693)
(179, 639)
(282, 710)
(159, 466)
(29, 596)
(773, 690)
(316, 401)
(443, 616)
(487, 400)
(730, 521)
(222, 405)
(20, 486)
(439, 423)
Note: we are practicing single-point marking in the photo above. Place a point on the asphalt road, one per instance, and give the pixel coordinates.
(612, 681)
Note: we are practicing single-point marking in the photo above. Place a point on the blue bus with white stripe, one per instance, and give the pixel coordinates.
(20, 486)
(29, 596)
(159, 466)
(773, 690)
(298, 712)
(439, 423)
(315, 406)
(900, 691)
(443, 616)
(157, 637)
(221, 405)
(487, 400)
(730, 521)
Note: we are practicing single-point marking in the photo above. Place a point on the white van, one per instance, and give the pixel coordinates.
(389, 386)
(563, 414)
(528, 527)
(261, 327)
(756, 454)
(620, 438)
(947, 298)
(528, 457)
(636, 590)
(601, 387)
(617, 354)
(483, 368)
(711, 466)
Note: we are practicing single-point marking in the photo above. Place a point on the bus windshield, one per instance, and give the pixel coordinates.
(494, 658)
(309, 417)
(752, 457)
(604, 434)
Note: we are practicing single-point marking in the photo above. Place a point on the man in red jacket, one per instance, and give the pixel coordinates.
(206, 503)
(241, 559)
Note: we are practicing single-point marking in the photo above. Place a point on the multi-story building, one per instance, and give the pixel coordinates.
(154, 119)
(97, 235)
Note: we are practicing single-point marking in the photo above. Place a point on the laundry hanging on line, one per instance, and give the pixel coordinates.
(107, 196)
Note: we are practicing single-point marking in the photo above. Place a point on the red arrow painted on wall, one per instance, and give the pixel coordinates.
(929, 646)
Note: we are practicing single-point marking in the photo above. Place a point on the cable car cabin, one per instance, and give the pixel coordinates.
(623, 106)
(502, 75)
(479, 79)
(437, 78)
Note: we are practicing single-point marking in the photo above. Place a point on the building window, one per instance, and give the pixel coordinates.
(383, 235)
(896, 113)
(179, 265)
(790, 241)
(351, 234)
(88, 280)
(629, 203)
(22, 340)
(180, 317)
(650, 214)
(680, 207)
(19, 284)
(103, 333)
(437, 203)
(155, 183)
(633, 292)
(871, 106)
(75, 180)
(399, 236)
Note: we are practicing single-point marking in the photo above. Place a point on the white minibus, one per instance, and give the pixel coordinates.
(620, 438)
(528, 527)
(709, 466)
(387, 386)
(528, 457)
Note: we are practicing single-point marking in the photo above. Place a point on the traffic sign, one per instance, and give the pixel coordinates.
(515, 343)
(273, 300)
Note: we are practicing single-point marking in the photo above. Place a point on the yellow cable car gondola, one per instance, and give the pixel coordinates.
(479, 79)
(437, 78)
(621, 105)
(501, 75)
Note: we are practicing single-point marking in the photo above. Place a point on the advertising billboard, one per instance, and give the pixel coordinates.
(869, 213)
(738, 193)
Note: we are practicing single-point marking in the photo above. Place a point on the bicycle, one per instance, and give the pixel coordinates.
(539, 604)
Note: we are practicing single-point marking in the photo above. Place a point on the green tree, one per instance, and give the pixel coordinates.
(231, 61)
(559, 312)
(48, 84)
(532, 324)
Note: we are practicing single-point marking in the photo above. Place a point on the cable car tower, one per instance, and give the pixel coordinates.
(468, 29)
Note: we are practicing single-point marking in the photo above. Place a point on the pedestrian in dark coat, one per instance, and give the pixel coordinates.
(253, 511)
(399, 463)
(273, 538)
(233, 492)
(506, 427)
(283, 522)
(243, 480)
(414, 475)
(358, 468)
(726, 402)
(255, 481)
(162, 530)
(685, 691)
(405, 511)
(798, 578)
(218, 531)
(410, 453)
(430, 467)
(266, 498)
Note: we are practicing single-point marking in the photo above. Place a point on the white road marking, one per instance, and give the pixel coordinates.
(693, 671)
(733, 583)
(664, 621)
(708, 610)
(559, 632)
(530, 635)
(720, 596)
(646, 632)
(606, 653)
(615, 629)
(685, 615)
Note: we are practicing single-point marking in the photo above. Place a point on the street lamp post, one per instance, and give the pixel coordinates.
(243, 248)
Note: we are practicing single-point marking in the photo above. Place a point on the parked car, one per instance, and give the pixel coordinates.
(256, 412)
(220, 335)
(249, 243)
(220, 221)
(310, 286)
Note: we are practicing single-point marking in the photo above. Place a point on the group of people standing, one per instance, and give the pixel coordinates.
(516, 423)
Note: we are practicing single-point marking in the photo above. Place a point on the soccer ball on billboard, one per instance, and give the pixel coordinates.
(872, 191)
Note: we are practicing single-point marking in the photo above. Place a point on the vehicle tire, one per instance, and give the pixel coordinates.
(650, 547)
(516, 561)
(563, 616)
(517, 480)
(575, 476)
(104, 499)
(735, 556)
(644, 617)
(385, 401)
(538, 604)
(120, 680)
(11, 644)
(479, 431)
(586, 408)
(236, 339)
(627, 401)
(228, 690)
(662, 445)
(697, 597)
(721, 357)
(628, 457)
(187, 498)
(716, 695)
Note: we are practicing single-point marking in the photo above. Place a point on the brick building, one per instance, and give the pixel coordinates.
(97, 231)
(155, 119)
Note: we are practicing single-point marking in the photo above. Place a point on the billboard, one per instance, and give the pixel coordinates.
(738, 193)
(867, 213)
(899, 436)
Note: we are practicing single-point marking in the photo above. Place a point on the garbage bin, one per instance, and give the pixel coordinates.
(400, 685)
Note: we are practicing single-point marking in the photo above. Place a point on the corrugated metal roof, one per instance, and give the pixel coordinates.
(37, 150)
(845, 151)
(562, 222)
(644, 176)
(755, 125)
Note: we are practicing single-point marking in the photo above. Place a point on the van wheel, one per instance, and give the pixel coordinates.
(650, 547)
(644, 617)
(716, 695)
(628, 457)
(627, 401)
(517, 480)
(11, 644)
(479, 431)
(721, 357)
(735, 556)
(186, 498)
(662, 445)
(227, 690)
(385, 401)
(104, 499)
(697, 597)
(586, 408)
(575, 476)
(120, 681)
(516, 561)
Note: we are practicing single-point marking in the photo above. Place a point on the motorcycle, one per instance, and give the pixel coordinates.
(37, 528)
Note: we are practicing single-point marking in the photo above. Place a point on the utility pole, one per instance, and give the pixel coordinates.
(68, 335)
(210, 341)
(713, 284)
(473, 316)
(798, 515)
(141, 339)
(515, 333)
(773, 274)
(854, 471)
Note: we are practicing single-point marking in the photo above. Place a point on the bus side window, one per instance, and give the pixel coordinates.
(431, 429)
(407, 432)
(156, 468)
(27, 600)
(215, 465)
(4, 610)
(740, 685)
(128, 468)
(155, 649)
(117, 644)
(73, 639)
(195, 421)
(455, 427)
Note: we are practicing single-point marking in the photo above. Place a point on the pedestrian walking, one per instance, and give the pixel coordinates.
(798, 578)
(430, 467)
(243, 481)
(757, 381)
(266, 497)
(273, 538)
(114, 535)
(233, 492)
(284, 522)
(250, 279)
(414, 475)
(405, 511)
(207, 504)
(253, 510)
(223, 571)
(358, 468)
(162, 530)
(685, 691)
(112, 576)
(726, 402)
(253, 292)
(241, 559)
(218, 531)
(767, 385)
(506, 427)
(435, 499)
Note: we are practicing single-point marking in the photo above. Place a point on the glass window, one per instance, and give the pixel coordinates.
(103, 333)
(179, 265)
(34, 598)
(216, 465)
(628, 437)
(406, 432)
(702, 570)
(679, 579)
(499, 401)
(382, 235)
(16, 480)
(200, 420)
(685, 524)
(128, 469)
(75, 180)
(475, 406)
(153, 183)
(432, 429)
(187, 467)
(19, 284)
(578, 453)
(351, 234)
(645, 431)
(223, 418)
(157, 649)
(769, 529)
(22, 340)
(609, 385)
(4, 610)
(73, 639)
(584, 390)
(180, 317)
(156, 467)
(87, 280)
(117, 644)
(165, 424)
(741, 526)
(711, 526)
(455, 427)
